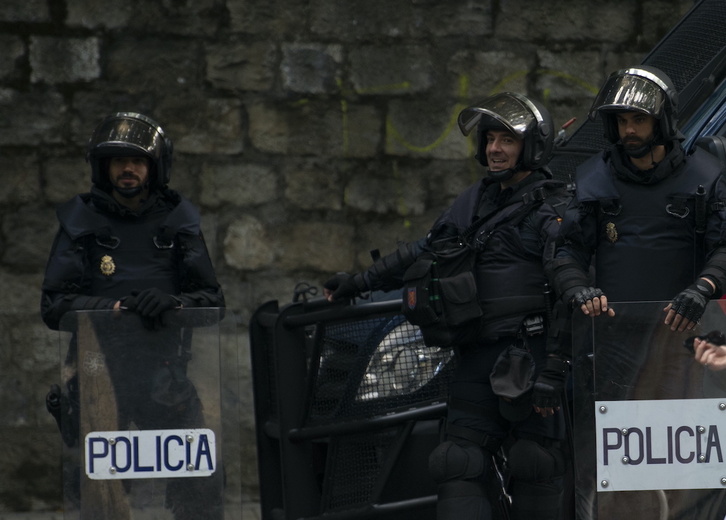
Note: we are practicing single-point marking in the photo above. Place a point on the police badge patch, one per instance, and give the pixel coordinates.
(107, 265)
(611, 232)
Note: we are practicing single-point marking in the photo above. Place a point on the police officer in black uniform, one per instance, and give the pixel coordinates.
(514, 211)
(628, 195)
(134, 245)
(651, 217)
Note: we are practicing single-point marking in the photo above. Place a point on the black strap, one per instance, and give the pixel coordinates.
(529, 200)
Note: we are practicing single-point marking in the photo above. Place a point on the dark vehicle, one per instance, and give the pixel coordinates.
(347, 402)
(348, 399)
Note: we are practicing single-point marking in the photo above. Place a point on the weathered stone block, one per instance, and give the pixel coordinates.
(386, 191)
(390, 70)
(276, 17)
(21, 180)
(241, 66)
(239, 183)
(565, 76)
(169, 67)
(483, 73)
(45, 108)
(25, 11)
(356, 20)
(425, 129)
(64, 60)
(340, 128)
(214, 126)
(323, 246)
(247, 244)
(12, 49)
(314, 185)
(563, 20)
(29, 231)
(440, 19)
(311, 68)
(63, 178)
(94, 14)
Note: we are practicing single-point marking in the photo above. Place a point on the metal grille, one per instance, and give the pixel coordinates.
(375, 366)
(356, 463)
(692, 44)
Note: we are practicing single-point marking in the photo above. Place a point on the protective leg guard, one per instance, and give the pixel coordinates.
(537, 480)
(536, 500)
(459, 470)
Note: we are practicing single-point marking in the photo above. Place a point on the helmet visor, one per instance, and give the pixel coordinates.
(124, 134)
(501, 110)
(630, 93)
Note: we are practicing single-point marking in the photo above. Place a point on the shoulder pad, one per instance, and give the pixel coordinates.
(77, 219)
(184, 218)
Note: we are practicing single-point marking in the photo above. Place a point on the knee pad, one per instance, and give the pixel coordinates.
(530, 461)
(451, 461)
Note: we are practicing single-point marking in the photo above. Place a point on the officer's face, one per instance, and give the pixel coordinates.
(635, 128)
(128, 172)
(503, 150)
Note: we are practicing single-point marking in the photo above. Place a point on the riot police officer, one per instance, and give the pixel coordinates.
(512, 218)
(132, 244)
(628, 195)
(650, 216)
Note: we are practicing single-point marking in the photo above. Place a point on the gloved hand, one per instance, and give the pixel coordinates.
(584, 294)
(548, 388)
(692, 301)
(343, 286)
(150, 304)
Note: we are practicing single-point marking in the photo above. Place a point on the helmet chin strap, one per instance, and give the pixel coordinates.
(130, 193)
(641, 151)
(505, 175)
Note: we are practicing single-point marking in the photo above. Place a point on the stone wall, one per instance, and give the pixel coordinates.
(308, 132)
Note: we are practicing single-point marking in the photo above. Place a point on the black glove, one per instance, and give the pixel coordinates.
(550, 383)
(345, 286)
(692, 301)
(715, 336)
(150, 304)
(579, 296)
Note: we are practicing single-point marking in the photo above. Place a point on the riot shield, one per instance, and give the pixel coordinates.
(649, 421)
(140, 416)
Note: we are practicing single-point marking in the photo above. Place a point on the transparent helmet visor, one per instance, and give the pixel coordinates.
(506, 110)
(127, 135)
(630, 93)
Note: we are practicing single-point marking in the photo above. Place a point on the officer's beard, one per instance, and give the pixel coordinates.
(637, 148)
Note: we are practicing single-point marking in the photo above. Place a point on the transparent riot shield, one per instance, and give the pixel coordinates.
(140, 416)
(649, 422)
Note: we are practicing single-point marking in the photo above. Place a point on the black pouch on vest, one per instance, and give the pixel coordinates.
(440, 297)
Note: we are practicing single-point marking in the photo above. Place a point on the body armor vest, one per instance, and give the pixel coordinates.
(648, 248)
(509, 277)
(121, 254)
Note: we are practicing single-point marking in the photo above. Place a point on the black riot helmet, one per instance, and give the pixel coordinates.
(126, 134)
(526, 119)
(642, 89)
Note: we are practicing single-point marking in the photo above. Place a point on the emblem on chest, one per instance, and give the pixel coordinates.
(611, 232)
(107, 266)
